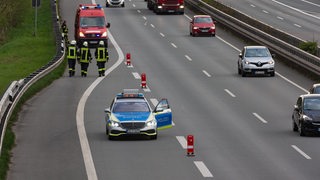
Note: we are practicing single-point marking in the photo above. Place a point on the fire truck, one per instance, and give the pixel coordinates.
(90, 25)
(166, 6)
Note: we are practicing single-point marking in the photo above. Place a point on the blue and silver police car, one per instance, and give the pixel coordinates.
(131, 114)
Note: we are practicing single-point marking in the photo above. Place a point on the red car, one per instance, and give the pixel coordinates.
(202, 25)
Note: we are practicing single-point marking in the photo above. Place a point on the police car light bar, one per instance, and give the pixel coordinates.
(130, 93)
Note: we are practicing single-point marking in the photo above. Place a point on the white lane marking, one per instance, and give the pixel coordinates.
(295, 9)
(278, 17)
(265, 11)
(138, 11)
(252, 5)
(297, 25)
(182, 140)
(161, 34)
(260, 118)
(152, 25)
(145, 23)
(230, 93)
(206, 73)
(189, 58)
(146, 89)
(228, 43)
(136, 75)
(301, 152)
(291, 82)
(144, 17)
(310, 3)
(133, 5)
(172, 44)
(85, 147)
(203, 169)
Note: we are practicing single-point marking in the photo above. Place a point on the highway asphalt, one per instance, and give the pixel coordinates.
(242, 126)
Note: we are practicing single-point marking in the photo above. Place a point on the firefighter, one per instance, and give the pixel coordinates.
(102, 56)
(85, 58)
(72, 57)
(64, 29)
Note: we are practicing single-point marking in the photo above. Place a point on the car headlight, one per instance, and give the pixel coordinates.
(246, 62)
(114, 123)
(195, 27)
(213, 27)
(306, 118)
(81, 34)
(271, 62)
(152, 123)
(104, 34)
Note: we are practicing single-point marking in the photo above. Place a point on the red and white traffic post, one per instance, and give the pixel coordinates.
(143, 80)
(190, 145)
(128, 56)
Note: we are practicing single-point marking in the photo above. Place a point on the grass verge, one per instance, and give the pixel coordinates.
(25, 51)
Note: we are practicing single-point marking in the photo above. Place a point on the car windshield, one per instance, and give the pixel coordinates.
(259, 52)
(131, 107)
(311, 104)
(92, 22)
(203, 20)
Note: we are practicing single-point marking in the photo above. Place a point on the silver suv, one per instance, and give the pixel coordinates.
(256, 60)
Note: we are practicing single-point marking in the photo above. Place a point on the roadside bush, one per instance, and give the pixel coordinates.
(310, 47)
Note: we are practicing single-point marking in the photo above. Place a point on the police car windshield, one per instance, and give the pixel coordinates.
(92, 22)
(131, 107)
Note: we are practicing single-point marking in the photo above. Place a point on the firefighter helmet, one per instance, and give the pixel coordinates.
(101, 43)
(85, 44)
(73, 42)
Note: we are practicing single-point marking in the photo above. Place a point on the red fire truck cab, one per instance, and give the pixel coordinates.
(90, 25)
(166, 6)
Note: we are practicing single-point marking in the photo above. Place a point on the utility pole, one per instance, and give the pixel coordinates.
(35, 4)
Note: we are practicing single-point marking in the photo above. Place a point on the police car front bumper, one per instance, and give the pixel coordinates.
(132, 128)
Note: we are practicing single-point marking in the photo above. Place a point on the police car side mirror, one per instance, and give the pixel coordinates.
(108, 25)
(107, 110)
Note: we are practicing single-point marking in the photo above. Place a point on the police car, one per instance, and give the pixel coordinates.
(130, 114)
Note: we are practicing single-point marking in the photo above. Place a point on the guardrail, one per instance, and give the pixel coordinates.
(286, 50)
(17, 88)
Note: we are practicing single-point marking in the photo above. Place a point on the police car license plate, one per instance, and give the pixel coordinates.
(133, 131)
(259, 72)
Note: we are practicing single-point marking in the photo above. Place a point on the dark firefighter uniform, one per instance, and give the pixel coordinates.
(64, 29)
(85, 59)
(72, 57)
(102, 56)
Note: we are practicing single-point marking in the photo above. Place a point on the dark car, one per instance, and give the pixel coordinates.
(315, 89)
(202, 25)
(306, 114)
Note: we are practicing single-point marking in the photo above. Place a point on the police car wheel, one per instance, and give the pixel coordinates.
(154, 137)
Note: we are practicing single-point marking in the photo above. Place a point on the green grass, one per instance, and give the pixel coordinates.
(22, 54)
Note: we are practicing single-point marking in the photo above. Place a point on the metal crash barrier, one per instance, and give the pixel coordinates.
(17, 88)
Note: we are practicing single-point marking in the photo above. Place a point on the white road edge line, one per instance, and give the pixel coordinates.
(260, 118)
(230, 93)
(203, 169)
(182, 140)
(301, 152)
(310, 3)
(85, 147)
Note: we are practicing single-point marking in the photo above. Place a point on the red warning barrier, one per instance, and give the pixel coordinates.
(190, 145)
(128, 59)
(143, 80)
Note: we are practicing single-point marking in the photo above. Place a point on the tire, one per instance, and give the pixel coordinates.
(239, 70)
(294, 126)
(213, 35)
(272, 74)
(243, 74)
(107, 5)
(153, 137)
(301, 130)
(122, 5)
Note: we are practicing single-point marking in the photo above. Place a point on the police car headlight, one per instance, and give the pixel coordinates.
(114, 124)
(151, 123)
